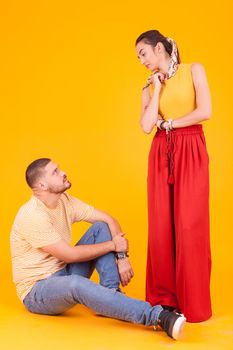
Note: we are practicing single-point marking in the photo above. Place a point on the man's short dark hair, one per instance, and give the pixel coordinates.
(35, 169)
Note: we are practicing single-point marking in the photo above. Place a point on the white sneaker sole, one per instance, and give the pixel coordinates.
(178, 327)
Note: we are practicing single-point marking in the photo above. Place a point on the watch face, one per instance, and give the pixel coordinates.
(121, 255)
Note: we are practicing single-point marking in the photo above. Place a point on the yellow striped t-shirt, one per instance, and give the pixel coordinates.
(36, 226)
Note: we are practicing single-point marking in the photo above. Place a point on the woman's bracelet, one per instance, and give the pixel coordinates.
(168, 127)
(162, 127)
(159, 122)
(170, 124)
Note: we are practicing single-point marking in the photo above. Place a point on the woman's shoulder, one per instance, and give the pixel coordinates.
(198, 70)
(195, 68)
(192, 65)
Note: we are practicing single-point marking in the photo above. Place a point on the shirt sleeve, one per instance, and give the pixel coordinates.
(38, 231)
(80, 211)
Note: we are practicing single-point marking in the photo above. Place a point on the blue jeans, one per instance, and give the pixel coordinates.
(71, 285)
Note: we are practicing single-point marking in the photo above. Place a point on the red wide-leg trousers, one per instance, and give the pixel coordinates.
(179, 260)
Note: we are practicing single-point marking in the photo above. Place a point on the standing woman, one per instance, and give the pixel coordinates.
(179, 260)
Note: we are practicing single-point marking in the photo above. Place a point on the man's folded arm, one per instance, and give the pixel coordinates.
(63, 251)
(100, 215)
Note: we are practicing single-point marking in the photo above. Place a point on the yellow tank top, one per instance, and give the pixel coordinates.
(177, 95)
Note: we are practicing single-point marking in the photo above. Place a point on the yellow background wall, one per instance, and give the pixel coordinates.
(70, 90)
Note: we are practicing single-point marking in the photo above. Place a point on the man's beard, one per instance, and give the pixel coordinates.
(60, 189)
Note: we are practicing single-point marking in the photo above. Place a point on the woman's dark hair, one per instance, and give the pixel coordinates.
(152, 37)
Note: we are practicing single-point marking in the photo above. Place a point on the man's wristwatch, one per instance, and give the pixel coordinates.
(121, 255)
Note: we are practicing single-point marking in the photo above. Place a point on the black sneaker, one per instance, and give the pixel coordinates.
(172, 323)
(167, 307)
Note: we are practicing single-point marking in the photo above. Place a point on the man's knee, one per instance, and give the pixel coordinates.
(100, 225)
(102, 229)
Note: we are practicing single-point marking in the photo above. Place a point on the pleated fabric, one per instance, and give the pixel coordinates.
(179, 258)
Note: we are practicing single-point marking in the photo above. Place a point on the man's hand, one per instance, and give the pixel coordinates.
(121, 243)
(125, 271)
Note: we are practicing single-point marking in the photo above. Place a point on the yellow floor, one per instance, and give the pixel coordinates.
(81, 329)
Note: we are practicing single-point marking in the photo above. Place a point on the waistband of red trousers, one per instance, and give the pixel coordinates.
(188, 130)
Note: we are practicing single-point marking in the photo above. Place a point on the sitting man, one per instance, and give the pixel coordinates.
(51, 276)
